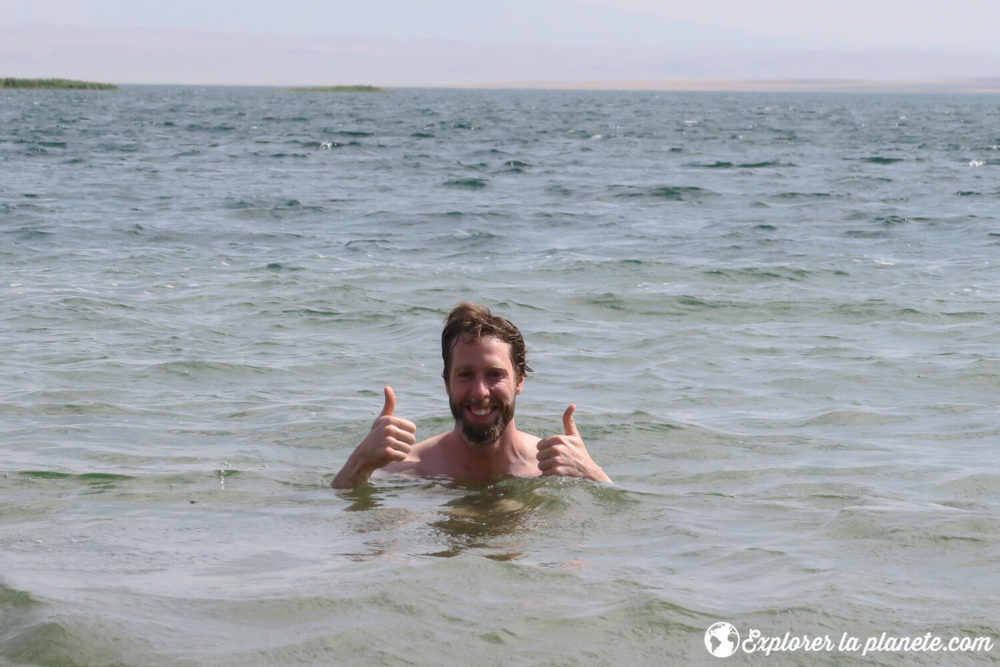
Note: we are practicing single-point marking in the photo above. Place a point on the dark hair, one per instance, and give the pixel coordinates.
(470, 322)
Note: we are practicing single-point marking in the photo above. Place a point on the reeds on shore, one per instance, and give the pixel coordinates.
(55, 84)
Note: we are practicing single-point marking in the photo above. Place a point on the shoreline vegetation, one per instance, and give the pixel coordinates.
(54, 84)
(338, 89)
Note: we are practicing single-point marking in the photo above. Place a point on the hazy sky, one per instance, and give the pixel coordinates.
(544, 28)
(971, 24)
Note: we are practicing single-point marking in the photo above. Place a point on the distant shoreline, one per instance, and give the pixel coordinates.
(989, 86)
(11, 83)
(337, 89)
(965, 86)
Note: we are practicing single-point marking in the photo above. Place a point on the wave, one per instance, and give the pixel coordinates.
(970, 488)
(18, 618)
(467, 183)
(854, 418)
(327, 145)
(353, 133)
(71, 640)
(742, 165)
(806, 195)
(75, 409)
(199, 369)
(891, 220)
(368, 246)
(515, 167)
(760, 274)
(878, 159)
(667, 192)
(865, 234)
(94, 481)
(559, 189)
(15, 600)
(202, 127)
(256, 208)
(278, 267)
(280, 155)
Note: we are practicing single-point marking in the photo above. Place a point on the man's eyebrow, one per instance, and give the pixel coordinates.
(489, 367)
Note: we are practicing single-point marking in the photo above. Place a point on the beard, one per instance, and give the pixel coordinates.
(483, 434)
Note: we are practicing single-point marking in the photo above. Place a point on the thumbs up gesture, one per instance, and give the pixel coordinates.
(566, 455)
(389, 439)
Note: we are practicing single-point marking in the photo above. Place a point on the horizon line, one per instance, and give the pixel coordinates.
(957, 85)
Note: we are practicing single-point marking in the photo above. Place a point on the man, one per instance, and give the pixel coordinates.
(484, 371)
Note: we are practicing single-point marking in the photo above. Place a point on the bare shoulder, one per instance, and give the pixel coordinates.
(528, 440)
(420, 454)
(527, 464)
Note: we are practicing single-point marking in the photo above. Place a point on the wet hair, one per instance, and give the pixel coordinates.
(469, 322)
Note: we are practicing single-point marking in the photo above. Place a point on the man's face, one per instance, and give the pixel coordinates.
(482, 389)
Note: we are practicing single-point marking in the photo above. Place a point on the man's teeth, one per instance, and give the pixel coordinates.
(480, 412)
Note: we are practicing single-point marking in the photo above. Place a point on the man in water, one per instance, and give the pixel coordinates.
(484, 371)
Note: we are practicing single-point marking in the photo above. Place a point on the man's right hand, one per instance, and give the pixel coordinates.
(390, 439)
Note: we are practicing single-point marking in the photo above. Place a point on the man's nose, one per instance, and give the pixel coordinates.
(479, 388)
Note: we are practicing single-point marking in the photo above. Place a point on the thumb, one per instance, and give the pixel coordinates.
(568, 424)
(390, 402)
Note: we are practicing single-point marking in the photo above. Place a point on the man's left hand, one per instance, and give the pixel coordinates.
(566, 455)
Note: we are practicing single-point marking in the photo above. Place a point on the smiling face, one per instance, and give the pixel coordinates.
(482, 388)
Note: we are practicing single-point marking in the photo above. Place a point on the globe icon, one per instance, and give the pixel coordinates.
(722, 639)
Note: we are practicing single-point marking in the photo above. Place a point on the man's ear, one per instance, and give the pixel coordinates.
(520, 385)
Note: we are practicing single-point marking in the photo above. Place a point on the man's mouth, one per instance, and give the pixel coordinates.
(480, 411)
(482, 421)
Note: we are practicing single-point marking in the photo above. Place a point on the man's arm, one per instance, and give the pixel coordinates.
(389, 440)
(566, 455)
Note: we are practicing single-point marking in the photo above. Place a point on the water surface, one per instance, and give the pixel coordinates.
(776, 314)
